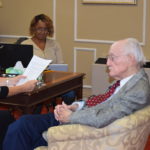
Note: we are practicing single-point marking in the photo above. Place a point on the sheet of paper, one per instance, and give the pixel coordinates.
(34, 69)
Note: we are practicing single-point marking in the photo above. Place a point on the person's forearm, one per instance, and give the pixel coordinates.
(15, 90)
(3, 81)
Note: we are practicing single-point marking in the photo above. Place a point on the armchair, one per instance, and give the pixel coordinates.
(128, 133)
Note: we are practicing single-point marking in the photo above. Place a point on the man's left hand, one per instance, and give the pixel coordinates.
(62, 113)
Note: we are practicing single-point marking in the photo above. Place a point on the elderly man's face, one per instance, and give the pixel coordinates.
(118, 62)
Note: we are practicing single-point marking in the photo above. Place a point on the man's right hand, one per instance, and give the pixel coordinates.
(72, 107)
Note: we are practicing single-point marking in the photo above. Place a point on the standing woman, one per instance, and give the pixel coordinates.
(41, 29)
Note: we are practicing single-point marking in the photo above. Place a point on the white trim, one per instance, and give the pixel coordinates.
(87, 86)
(107, 41)
(94, 41)
(110, 1)
(75, 60)
(54, 23)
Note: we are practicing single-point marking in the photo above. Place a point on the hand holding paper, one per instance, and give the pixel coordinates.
(34, 69)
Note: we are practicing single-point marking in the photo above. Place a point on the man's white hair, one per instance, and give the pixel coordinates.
(132, 46)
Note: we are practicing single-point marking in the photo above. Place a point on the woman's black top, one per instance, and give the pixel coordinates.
(3, 91)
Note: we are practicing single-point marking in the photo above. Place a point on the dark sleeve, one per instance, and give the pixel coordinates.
(3, 91)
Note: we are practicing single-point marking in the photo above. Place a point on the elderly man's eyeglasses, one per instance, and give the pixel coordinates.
(112, 57)
(45, 30)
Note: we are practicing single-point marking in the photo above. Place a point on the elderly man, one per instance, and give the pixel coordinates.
(131, 93)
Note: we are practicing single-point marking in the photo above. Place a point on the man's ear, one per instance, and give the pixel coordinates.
(132, 59)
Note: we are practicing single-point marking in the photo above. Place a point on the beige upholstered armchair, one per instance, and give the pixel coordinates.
(128, 133)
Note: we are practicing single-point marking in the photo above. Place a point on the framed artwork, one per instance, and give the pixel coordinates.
(0, 3)
(111, 1)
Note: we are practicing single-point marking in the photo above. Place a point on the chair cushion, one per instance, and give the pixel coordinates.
(41, 148)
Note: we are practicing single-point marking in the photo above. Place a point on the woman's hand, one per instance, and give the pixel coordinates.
(29, 86)
(26, 87)
(13, 81)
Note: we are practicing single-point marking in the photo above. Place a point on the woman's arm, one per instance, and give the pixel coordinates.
(27, 87)
(9, 88)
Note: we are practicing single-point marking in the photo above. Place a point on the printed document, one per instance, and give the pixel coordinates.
(36, 66)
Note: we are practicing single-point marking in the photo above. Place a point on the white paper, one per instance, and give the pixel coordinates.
(34, 69)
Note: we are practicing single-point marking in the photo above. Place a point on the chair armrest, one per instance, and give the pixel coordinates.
(73, 132)
(41, 148)
(77, 132)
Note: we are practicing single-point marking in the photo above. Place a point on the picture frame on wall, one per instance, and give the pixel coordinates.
(0, 3)
(111, 1)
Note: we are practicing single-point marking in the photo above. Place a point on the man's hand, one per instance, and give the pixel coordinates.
(62, 113)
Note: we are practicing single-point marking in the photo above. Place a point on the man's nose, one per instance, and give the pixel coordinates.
(108, 62)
